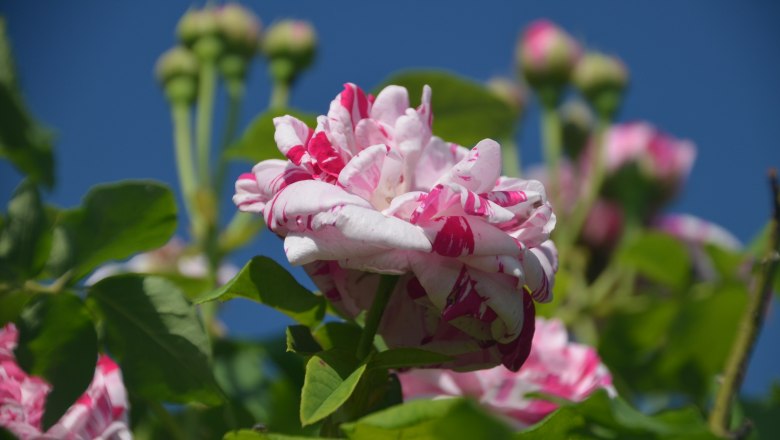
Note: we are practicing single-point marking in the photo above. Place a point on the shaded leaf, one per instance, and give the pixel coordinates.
(58, 342)
(464, 111)
(331, 377)
(257, 143)
(12, 302)
(341, 335)
(600, 417)
(660, 257)
(115, 221)
(157, 337)
(248, 434)
(25, 238)
(263, 280)
(450, 419)
(22, 141)
(300, 340)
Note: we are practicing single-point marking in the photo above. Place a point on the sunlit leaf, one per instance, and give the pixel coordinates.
(257, 143)
(331, 377)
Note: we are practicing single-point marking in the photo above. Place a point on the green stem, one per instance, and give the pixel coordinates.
(242, 228)
(235, 92)
(383, 293)
(280, 95)
(184, 161)
(510, 157)
(206, 90)
(595, 180)
(551, 130)
(750, 325)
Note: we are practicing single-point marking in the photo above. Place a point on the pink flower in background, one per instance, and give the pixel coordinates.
(372, 190)
(697, 233)
(665, 160)
(172, 258)
(555, 366)
(101, 412)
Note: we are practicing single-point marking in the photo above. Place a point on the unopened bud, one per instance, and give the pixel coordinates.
(577, 124)
(508, 91)
(177, 71)
(198, 29)
(601, 79)
(546, 55)
(290, 45)
(240, 28)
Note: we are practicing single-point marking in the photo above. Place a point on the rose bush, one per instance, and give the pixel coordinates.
(371, 191)
(555, 366)
(101, 412)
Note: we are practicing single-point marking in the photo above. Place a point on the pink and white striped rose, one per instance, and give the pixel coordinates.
(555, 366)
(372, 191)
(100, 413)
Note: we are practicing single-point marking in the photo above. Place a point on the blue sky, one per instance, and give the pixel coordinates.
(705, 71)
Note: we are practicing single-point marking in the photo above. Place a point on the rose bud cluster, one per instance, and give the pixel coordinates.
(372, 191)
(101, 412)
(555, 367)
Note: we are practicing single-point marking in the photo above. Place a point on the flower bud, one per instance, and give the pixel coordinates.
(240, 28)
(198, 29)
(177, 71)
(546, 55)
(601, 79)
(290, 45)
(508, 91)
(577, 125)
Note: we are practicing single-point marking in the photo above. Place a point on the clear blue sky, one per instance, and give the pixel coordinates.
(706, 71)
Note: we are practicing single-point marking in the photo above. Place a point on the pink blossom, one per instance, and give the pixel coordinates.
(101, 412)
(372, 190)
(663, 159)
(555, 366)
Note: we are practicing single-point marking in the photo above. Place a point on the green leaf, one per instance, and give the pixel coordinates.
(25, 143)
(600, 417)
(331, 377)
(300, 340)
(674, 344)
(157, 337)
(341, 335)
(659, 257)
(265, 281)
(246, 434)
(407, 358)
(464, 111)
(25, 238)
(445, 419)
(58, 342)
(257, 143)
(12, 302)
(115, 221)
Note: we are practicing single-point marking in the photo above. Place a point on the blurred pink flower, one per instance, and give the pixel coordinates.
(101, 412)
(555, 366)
(372, 190)
(663, 159)
(172, 258)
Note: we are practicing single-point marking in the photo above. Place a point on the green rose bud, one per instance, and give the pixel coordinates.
(177, 71)
(602, 80)
(290, 45)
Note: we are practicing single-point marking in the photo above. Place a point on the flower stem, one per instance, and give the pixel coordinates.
(750, 326)
(280, 95)
(235, 92)
(206, 90)
(551, 129)
(510, 157)
(595, 181)
(384, 291)
(184, 160)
